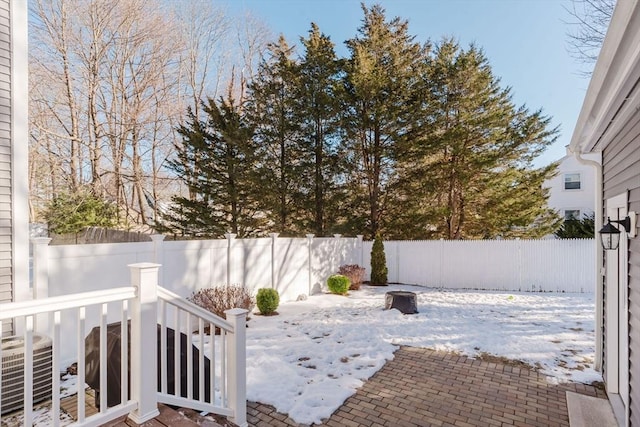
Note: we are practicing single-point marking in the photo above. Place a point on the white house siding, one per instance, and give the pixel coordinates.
(583, 199)
(6, 270)
(14, 255)
(621, 172)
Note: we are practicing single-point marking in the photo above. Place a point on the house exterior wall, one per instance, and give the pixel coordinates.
(582, 199)
(14, 273)
(621, 174)
(6, 234)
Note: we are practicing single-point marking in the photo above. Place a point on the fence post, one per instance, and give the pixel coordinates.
(158, 252)
(274, 236)
(157, 240)
(40, 267)
(40, 278)
(361, 251)
(237, 364)
(309, 243)
(336, 252)
(230, 237)
(144, 370)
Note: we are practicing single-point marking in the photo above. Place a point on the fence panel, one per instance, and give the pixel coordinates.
(549, 265)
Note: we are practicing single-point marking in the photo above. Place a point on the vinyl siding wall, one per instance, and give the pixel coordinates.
(6, 273)
(621, 173)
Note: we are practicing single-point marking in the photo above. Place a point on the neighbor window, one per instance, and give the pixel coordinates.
(571, 214)
(572, 181)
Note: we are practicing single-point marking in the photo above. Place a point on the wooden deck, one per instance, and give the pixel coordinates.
(168, 417)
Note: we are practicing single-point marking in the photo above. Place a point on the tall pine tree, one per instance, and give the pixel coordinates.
(318, 112)
(382, 75)
(220, 153)
(473, 166)
(272, 109)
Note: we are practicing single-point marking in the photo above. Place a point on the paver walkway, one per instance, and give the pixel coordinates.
(422, 387)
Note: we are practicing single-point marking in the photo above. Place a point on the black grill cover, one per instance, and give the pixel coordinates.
(401, 300)
(92, 363)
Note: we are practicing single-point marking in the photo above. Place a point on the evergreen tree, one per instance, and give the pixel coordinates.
(577, 228)
(221, 155)
(71, 213)
(273, 112)
(318, 110)
(378, 262)
(472, 167)
(380, 111)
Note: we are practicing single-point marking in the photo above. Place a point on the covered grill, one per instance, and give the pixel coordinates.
(92, 363)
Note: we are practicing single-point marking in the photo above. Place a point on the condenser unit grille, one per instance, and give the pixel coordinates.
(13, 371)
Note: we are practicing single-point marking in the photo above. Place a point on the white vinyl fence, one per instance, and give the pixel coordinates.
(550, 265)
(301, 266)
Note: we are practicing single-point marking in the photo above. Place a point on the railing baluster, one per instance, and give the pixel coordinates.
(103, 359)
(212, 361)
(55, 368)
(81, 363)
(124, 353)
(201, 360)
(28, 371)
(223, 368)
(163, 346)
(177, 380)
(189, 333)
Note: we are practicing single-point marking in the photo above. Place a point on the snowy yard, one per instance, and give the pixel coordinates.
(311, 357)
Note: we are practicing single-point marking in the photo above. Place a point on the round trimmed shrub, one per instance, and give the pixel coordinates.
(338, 284)
(267, 300)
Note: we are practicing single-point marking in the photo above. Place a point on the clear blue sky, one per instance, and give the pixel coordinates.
(524, 40)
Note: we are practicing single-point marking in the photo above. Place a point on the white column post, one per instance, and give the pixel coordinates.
(309, 244)
(237, 365)
(361, 250)
(144, 358)
(274, 237)
(230, 237)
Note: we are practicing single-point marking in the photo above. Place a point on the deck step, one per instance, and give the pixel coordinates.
(168, 417)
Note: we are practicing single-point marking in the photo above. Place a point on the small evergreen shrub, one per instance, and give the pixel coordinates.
(221, 298)
(378, 262)
(338, 284)
(355, 273)
(267, 300)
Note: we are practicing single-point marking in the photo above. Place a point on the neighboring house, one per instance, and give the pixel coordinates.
(609, 125)
(571, 190)
(14, 214)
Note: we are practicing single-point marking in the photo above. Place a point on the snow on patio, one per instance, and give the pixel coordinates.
(310, 358)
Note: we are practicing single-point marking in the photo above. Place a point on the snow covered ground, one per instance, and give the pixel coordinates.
(314, 354)
(311, 357)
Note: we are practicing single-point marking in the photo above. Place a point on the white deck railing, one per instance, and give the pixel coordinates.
(153, 314)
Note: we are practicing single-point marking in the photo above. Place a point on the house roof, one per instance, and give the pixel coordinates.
(614, 90)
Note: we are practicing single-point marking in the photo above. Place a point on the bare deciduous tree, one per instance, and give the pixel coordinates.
(588, 26)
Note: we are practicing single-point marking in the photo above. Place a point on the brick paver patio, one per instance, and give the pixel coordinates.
(423, 387)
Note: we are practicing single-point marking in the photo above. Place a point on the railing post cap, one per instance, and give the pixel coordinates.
(337, 235)
(235, 312)
(144, 265)
(157, 237)
(274, 235)
(310, 236)
(230, 235)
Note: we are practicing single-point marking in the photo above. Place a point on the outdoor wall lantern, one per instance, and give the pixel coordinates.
(610, 234)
